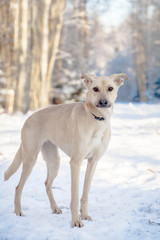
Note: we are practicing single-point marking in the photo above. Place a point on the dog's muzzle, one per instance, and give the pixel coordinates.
(103, 103)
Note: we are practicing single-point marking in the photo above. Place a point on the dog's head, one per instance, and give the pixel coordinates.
(102, 91)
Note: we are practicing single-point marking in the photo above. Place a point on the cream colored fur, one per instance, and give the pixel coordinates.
(74, 129)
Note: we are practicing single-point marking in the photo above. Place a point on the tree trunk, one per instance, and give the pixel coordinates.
(55, 26)
(6, 49)
(139, 51)
(22, 91)
(44, 56)
(36, 35)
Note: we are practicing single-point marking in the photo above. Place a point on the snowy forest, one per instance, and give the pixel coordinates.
(45, 45)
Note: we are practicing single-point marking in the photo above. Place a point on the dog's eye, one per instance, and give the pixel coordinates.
(95, 89)
(110, 89)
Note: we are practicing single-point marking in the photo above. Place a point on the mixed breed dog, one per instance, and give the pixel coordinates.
(81, 130)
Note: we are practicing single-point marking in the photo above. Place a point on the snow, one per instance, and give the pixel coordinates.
(124, 200)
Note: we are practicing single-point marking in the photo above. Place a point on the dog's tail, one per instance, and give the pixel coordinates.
(14, 165)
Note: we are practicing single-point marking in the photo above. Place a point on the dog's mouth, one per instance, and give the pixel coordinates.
(103, 106)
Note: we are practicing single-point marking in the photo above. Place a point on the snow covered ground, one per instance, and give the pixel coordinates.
(124, 200)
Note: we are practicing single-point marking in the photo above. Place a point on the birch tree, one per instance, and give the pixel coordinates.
(29, 41)
(6, 48)
(139, 50)
(52, 25)
(46, 31)
(23, 81)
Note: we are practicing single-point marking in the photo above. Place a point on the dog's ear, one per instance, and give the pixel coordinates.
(87, 79)
(119, 78)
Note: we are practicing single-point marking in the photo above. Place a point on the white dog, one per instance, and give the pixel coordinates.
(81, 130)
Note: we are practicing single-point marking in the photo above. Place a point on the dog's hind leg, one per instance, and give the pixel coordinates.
(29, 161)
(51, 156)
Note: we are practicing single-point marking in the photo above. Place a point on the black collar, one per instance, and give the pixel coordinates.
(98, 118)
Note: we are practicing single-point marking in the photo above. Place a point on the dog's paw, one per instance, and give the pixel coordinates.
(77, 223)
(57, 210)
(86, 217)
(19, 213)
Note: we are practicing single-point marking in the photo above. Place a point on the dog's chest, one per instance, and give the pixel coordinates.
(98, 142)
(97, 137)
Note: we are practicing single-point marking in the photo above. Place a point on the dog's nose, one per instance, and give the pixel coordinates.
(103, 103)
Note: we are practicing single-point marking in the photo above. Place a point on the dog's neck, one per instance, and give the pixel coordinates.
(99, 114)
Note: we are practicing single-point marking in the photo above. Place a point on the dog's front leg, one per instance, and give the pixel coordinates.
(91, 166)
(75, 173)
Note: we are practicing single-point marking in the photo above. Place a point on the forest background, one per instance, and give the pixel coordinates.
(45, 45)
